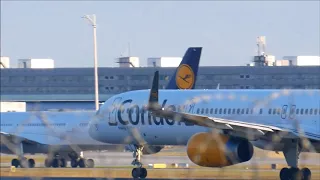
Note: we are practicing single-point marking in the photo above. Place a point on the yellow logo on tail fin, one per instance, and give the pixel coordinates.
(185, 77)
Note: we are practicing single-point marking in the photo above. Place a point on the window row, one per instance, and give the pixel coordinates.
(6, 124)
(84, 124)
(42, 124)
(306, 111)
(225, 111)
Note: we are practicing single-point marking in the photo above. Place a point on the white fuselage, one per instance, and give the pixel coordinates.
(123, 120)
(64, 130)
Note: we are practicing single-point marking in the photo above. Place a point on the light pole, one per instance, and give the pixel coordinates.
(92, 21)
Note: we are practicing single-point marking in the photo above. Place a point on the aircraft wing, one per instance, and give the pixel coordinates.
(11, 138)
(252, 131)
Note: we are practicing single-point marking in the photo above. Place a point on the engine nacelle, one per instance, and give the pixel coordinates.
(152, 149)
(217, 150)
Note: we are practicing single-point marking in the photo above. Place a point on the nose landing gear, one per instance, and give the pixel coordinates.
(138, 172)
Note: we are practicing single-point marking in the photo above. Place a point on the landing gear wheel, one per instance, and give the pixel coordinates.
(143, 173)
(135, 172)
(82, 163)
(47, 162)
(306, 174)
(63, 163)
(139, 173)
(284, 174)
(31, 163)
(15, 162)
(55, 163)
(74, 163)
(90, 163)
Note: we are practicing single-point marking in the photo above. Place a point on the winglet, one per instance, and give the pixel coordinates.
(154, 93)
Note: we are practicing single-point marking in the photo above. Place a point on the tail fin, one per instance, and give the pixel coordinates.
(154, 93)
(186, 73)
(154, 96)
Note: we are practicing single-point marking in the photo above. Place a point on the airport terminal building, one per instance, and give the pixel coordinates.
(73, 88)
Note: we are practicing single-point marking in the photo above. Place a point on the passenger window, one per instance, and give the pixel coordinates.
(238, 111)
(198, 111)
(301, 111)
(306, 111)
(207, 110)
(270, 110)
(278, 111)
(229, 111)
(233, 111)
(311, 111)
(216, 111)
(225, 111)
(315, 111)
(202, 110)
(247, 111)
(260, 111)
(242, 111)
(297, 111)
(211, 110)
(220, 111)
(274, 111)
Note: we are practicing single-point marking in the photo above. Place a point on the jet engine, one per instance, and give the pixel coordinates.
(217, 150)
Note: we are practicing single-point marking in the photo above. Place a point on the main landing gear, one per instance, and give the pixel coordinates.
(55, 161)
(291, 153)
(22, 161)
(76, 161)
(138, 172)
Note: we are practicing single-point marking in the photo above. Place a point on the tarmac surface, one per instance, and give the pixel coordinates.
(72, 178)
(113, 159)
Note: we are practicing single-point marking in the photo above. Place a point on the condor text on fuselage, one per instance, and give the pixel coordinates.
(128, 113)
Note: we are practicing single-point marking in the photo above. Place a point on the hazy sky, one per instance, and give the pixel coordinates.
(227, 31)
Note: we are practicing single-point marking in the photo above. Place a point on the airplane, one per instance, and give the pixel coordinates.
(64, 135)
(219, 127)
